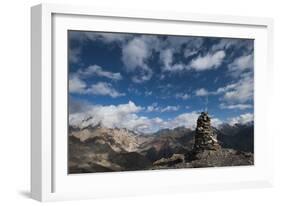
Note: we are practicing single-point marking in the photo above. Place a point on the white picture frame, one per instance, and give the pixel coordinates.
(49, 179)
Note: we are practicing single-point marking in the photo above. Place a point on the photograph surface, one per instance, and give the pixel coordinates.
(149, 102)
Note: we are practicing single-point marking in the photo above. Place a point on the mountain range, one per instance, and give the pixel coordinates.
(101, 149)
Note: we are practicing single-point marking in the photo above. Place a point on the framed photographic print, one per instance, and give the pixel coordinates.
(134, 102)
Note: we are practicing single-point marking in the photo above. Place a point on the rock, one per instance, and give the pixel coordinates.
(175, 159)
(207, 151)
(221, 158)
(205, 137)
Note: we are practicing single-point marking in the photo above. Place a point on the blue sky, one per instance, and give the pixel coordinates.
(149, 82)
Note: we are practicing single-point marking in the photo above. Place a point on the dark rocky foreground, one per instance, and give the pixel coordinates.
(99, 149)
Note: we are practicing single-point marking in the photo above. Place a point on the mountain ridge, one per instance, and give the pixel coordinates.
(100, 149)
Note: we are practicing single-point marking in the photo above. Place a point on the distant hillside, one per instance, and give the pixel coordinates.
(101, 149)
(239, 137)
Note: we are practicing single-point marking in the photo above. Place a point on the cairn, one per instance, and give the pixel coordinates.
(205, 138)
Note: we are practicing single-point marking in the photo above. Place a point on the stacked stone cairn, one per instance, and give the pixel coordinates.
(205, 138)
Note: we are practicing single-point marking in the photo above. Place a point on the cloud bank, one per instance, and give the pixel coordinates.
(127, 116)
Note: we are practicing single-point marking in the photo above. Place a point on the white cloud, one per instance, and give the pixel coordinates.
(189, 120)
(236, 106)
(126, 116)
(135, 53)
(136, 50)
(177, 42)
(225, 44)
(76, 85)
(201, 92)
(142, 76)
(166, 58)
(153, 107)
(134, 91)
(74, 55)
(228, 87)
(242, 92)
(242, 119)
(175, 45)
(209, 61)
(241, 64)
(99, 71)
(148, 93)
(183, 96)
(234, 95)
(170, 108)
(111, 116)
(104, 89)
(186, 43)
(193, 47)
(120, 116)
(237, 44)
(186, 119)
(222, 90)
(189, 52)
(215, 122)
